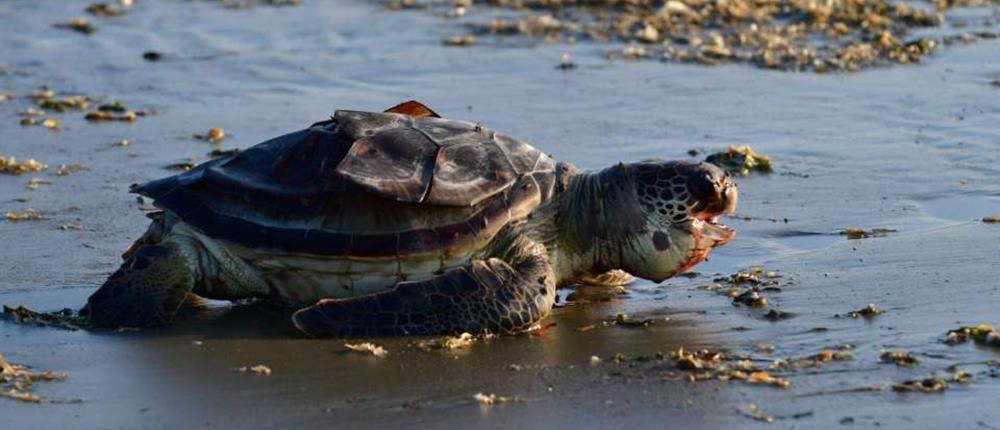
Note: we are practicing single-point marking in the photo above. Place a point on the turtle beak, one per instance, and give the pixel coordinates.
(712, 234)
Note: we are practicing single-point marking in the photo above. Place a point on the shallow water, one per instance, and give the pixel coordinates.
(908, 148)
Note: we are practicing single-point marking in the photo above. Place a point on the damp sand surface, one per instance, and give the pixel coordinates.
(912, 149)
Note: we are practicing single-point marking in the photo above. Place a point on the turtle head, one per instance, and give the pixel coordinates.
(680, 203)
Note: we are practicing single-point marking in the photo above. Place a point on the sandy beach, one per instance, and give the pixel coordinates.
(910, 149)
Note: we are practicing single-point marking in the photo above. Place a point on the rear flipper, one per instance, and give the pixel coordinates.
(147, 290)
(483, 296)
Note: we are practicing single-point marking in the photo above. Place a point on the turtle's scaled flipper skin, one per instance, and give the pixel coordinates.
(146, 291)
(486, 296)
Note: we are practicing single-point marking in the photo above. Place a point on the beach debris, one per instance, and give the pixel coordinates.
(33, 183)
(624, 320)
(42, 93)
(48, 123)
(751, 297)
(820, 359)
(463, 340)
(492, 399)
(466, 40)
(116, 111)
(860, 233)
(152, 56)
(958, 375)
(213, 135)
(26, 215)
(753, 276)
(51, 123)
(115, 106)
(777, 315)
(707, 364)
(594, 360)
(746, 288)
(31, 113)
(992, 219)
(12, 167)
(538, 329)
(982, 334)
(259, 369)
(216, 153)
(183, 165)
(5, 97)
(367, 348)
(764, 348)
(79, 25)
(65, 319)
(821, 37)
(762, 377)
(633, 52)
(869, 311)
(105, 10)
(104, 116)
(66, 169)
(566, 62)
(46, 99)
(16, 381)
(926, 385)
(753, 411)
(246, 4)
(405, 4)
(900, 358)
(825, 355)
(741, 160)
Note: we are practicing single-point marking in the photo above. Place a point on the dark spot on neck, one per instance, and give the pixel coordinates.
(661, 241)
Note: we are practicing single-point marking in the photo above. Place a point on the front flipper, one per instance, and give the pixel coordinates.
(147, 290)
(483, 296)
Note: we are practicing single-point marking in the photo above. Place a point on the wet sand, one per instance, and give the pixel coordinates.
(908, 148)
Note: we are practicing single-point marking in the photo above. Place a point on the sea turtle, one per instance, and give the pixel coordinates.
(402, 222)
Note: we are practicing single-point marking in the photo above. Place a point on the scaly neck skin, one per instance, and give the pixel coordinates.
(589, 223)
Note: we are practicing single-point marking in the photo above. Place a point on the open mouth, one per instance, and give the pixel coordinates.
(708, 232)
(712, 233)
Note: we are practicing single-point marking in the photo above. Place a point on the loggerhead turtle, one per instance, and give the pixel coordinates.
(402, 222)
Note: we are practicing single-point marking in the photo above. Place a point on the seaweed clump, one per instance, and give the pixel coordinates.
(65, 319)
(17, 380)
(741, 160)
(12, 167)
(983, 334)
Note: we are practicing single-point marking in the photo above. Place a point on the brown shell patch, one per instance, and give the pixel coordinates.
(357, 125)
(445, 132)
(522, 156)
(467, 173)
(396, 163)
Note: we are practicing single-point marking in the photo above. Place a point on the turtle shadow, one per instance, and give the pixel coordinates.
(255, 320)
